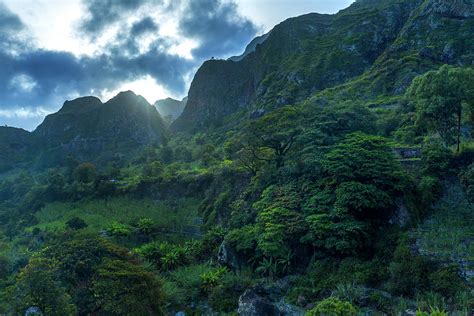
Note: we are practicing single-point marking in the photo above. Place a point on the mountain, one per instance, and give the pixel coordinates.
(371, 50)
(170, 109)
(251, 47)
(16, 145)
(88, 128)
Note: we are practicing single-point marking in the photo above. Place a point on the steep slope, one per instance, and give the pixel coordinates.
(301, 56)
(170, 109)
(437, 32)
(86, 126)
(15, 146)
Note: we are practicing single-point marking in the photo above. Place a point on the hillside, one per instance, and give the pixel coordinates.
(16, 145)
(370, 51)
(328, 170)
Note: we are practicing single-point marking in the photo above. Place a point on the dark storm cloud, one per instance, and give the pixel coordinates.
(215, 24)
(32, 77)
(102, 13)
(143, 26)
(218, 26)
(11, 29)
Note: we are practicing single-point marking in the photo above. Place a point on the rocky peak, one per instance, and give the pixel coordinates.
(80, 104)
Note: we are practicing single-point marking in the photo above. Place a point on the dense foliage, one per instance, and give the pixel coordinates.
(346, 187)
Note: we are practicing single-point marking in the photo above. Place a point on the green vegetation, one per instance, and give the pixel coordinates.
(355, 199)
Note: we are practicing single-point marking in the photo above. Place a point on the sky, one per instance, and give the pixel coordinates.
(56, 50)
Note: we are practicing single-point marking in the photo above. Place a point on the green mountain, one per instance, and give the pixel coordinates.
(370, 51)
(16, 145)
(170, 109)
(90, 130)
(328, 170)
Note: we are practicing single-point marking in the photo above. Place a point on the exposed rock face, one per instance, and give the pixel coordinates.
(228, 256)
(460, 9)
(373, 48)
(250, 304)
(258, 302)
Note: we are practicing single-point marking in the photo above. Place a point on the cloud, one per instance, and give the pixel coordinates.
(103, 13)
(23, 113)
(165, 40)
(218, 27)
(143, 26)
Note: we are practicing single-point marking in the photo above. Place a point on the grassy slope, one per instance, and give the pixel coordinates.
(449, 233)
(176, 215)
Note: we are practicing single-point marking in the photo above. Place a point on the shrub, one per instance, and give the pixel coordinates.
(210, 279)
(332, 306)
(408, 272)
(145, 226)
(435, 160)
(119, 230)
(76, 223)
(446, 281)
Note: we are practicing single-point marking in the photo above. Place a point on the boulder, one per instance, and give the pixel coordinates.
(251, 304)
(33, 311)
(254, 302)
(228, 256)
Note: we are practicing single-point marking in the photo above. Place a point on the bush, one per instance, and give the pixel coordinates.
(408, 272)
(435, 160)
(430, 190)
(447, 282)
(119, 230)
(76, 223)
(332, 306)
(146, 226)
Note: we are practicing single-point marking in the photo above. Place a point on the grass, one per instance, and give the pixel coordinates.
(173, 215)
(449, 233)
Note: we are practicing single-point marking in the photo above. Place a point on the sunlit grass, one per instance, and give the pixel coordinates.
(99, 214)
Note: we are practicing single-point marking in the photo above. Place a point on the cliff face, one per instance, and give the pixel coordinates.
(437, 32)
(300, 57)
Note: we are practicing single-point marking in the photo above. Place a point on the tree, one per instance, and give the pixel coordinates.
(37, 285)
(122, 288)
(362, 179)
(276, 131)
(85, 172)
(440, 98)
(76, 223)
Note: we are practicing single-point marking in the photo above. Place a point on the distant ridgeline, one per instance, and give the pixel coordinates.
(369, 52)
(88, 130)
